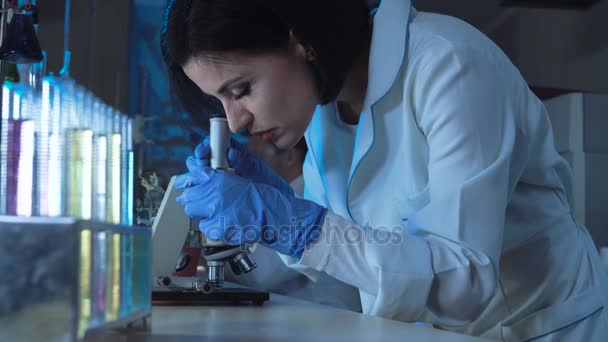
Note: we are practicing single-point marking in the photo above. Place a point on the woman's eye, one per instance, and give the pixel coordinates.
(241, 91)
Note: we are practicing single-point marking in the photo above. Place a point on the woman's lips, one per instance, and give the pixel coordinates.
(266, 135)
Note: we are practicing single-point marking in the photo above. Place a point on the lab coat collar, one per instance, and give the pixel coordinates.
(387, 56)
(388, 48)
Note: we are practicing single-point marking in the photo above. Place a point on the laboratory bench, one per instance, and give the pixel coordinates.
(280, 319)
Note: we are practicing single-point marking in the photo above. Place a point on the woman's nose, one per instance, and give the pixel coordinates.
(239, 119)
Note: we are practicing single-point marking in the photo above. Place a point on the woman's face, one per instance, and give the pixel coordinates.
(271, 95)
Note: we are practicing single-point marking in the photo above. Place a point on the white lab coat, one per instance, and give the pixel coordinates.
(453, 158)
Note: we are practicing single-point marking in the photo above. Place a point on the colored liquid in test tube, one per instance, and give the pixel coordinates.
(131, 173)
(101, 156)
(14, 137)
(116, 180)
(20, 158)
(81, 172)
(20, 167)
(4, 117)
(79, 168)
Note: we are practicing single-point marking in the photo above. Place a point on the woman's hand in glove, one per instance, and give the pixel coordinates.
(237, 210)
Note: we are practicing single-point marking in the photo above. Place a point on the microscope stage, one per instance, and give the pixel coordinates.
(223, 296)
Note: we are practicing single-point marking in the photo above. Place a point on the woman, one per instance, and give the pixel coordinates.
(432, 182)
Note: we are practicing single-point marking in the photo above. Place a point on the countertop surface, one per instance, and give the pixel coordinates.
(280, 319)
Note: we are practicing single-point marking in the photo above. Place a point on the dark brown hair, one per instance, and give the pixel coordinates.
(336, 30)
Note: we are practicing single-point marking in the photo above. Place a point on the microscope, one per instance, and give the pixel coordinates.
(169, 231)
(218, 253)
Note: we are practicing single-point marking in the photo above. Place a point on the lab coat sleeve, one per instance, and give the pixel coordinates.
(312, 180)
(445, 270)
(271, 272)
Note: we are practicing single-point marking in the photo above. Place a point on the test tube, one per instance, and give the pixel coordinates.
(68, 125)
(20, 157)
(124, 163)
(131, 172)
(127, 163)
(43, 150)
(55, 176)
(80, 161)
(27, 141)
(5, 116)
(100, 142)
(86, 150)
(113, 194)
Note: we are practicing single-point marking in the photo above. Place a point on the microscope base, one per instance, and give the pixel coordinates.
(223, 296)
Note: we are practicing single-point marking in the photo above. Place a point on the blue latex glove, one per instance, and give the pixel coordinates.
(237, 210)
(246, 164)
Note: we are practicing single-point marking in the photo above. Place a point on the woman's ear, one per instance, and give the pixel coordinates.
(302, 51)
